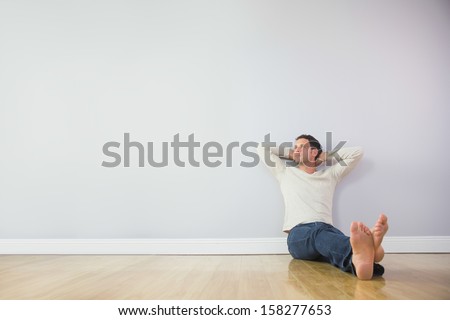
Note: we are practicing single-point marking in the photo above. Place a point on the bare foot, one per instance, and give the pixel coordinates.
(378, 232)
(363, 250)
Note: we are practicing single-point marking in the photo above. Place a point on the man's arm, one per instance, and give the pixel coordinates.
(347, 159)
(272, 158)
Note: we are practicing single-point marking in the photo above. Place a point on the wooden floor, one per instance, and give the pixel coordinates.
(408, 276)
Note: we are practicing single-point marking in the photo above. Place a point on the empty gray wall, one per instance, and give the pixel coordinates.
(75, 75)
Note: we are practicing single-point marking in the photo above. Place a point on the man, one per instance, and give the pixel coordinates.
(308, 198)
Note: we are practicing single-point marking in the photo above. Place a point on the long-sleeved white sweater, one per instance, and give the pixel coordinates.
(308, 197)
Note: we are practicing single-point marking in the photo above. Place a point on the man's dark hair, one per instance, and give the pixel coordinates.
(313, 142)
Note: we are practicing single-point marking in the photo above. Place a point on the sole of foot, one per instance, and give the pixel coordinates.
(362, 244)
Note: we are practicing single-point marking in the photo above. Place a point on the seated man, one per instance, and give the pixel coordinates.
(308, 197)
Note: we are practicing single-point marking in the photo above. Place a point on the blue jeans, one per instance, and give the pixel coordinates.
(323, 242)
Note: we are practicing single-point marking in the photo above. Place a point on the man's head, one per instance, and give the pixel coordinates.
(307, 150)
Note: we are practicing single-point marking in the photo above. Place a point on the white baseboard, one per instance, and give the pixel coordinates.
(432, 244)
(144, 246)
(197, 246)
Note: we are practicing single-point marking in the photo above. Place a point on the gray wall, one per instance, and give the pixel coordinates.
(77, 74)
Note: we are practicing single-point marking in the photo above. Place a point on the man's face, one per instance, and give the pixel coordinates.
(304, 153)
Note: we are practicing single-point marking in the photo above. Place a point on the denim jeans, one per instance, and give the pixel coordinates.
(323, 242)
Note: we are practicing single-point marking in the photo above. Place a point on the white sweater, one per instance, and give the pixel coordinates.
(309, 197)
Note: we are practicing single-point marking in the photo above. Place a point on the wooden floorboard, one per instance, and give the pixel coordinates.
(75, 277)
